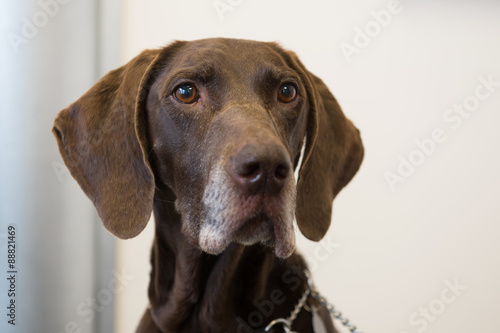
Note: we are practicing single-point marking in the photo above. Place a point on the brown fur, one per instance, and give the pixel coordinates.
(224, 246)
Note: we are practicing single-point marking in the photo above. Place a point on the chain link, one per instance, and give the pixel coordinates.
(331, 309)
(310, 291)
(299, 305)
(287, 322)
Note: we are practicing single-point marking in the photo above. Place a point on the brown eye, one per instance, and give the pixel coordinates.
(287, 93)
(186, 94)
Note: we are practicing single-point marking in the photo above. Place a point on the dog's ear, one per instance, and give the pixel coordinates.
(101, 140)
(333, 155)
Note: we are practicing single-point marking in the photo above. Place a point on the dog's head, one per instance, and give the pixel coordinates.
(220, 125)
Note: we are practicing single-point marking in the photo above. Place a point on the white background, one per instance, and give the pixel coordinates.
(391, 252)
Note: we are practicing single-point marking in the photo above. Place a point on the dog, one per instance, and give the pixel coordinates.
(212, 135)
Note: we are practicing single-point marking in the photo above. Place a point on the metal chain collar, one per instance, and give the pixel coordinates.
(310, 291)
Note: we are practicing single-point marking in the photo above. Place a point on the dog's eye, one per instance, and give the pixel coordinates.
(186, 94)
(287, 93)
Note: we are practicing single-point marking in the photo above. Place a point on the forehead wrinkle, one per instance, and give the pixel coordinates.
(200, 61)
(202, 72)
(276, 74)
(204, 55)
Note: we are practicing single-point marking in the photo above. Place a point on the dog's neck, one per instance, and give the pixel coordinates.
(191, 291)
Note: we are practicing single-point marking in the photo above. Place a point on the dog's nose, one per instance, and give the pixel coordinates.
(261, 167)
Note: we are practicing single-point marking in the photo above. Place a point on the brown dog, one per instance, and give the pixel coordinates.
(208, 134)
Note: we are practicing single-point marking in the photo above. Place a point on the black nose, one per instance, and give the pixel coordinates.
(261, 167)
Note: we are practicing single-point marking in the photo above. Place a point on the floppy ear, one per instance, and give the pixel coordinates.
(100, 145)
(333, 155)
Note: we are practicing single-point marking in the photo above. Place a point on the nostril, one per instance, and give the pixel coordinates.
(261, 168)
(281, 171)
(250, 170)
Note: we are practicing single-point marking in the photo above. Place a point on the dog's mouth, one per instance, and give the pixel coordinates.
(235, 212)
(251, 220)
(258, 229)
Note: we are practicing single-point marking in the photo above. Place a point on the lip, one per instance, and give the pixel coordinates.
(254, 230)
(252, 226)
(233, 216)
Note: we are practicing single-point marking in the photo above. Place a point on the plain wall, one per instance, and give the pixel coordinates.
(51, 52)
(423, 255)
(53, 65)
